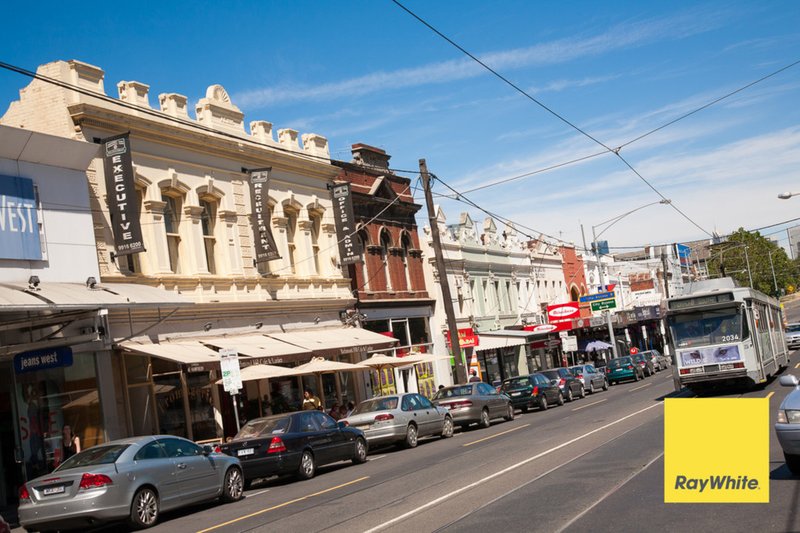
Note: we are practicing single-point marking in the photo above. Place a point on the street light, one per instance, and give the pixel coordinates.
(595, 235)
(772, 267)
(786, 195)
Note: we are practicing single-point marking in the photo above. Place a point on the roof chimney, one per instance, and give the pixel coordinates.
(364, 154)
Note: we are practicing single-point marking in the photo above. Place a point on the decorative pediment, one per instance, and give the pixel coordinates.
(382, 189)
(217, 111)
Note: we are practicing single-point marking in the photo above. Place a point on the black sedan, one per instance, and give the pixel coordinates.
(570, 385)
(294, 444)
(534, 390)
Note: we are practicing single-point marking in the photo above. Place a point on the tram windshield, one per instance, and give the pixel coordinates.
(701, 328)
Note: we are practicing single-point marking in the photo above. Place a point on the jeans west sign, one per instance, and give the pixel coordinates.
(19, 221)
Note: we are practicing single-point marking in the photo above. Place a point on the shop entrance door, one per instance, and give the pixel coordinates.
(11, 476)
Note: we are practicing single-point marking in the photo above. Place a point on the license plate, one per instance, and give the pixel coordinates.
(618, 370)
(245, 451)
(362, 427)
(47, 491)
(516, 394)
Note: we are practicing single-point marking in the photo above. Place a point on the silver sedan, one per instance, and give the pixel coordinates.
(474, 403)
(788, 426)
(134, 479)
(400, 418)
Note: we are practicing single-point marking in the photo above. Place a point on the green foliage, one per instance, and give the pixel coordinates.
(729, 258)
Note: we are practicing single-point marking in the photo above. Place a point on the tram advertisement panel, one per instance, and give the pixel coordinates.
(710, 355)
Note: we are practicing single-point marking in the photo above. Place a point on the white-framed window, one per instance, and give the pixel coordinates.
(172, 221)
(316, 228)
(208, 223)
(406, 246)
(291, 235)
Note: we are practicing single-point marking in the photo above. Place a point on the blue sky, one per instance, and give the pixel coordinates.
(366, 71)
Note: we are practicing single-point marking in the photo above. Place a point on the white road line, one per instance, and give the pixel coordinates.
(640, 387)
(377, 457)
(257, 493)
(588, 405)
(496, 435)
(610, 492)
(465, 488)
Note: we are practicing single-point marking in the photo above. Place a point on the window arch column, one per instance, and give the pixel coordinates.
(158, 255)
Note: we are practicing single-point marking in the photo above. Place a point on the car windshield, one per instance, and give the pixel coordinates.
(263, 426)
(452, 392)
(622, 361)
(376, 404)
(99, 455)
(552, 374)
(517, 383)
(793, 328)
(701, 328)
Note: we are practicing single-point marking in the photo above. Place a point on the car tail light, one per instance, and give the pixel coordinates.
(608, 370)
(738, 365)
(630, 367)
(458, 404)
(535, 391)
(276, 445)
(384, 417)
(24, 495)
(684, 371)
(217, 449)
(561, 382)
(93, 481)
(579, 376)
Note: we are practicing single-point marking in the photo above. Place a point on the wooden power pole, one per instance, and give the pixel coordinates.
(447, 299)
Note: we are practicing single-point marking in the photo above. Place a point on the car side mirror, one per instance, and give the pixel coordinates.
(207, 450)
(789, 381)
(341, 424)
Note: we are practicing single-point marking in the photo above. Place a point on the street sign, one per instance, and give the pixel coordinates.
(569, 343)
(597, 297)
(603, 305)
(634, 350)
(231, 377)
(563, 334)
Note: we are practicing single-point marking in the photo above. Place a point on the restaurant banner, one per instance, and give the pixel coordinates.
(561, 315)
(266, 250)
(466, 338)
(123, 204)
(349, 247)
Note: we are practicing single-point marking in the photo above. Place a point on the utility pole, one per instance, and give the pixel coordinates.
(664, 270)
(447, 300)
(605, 312)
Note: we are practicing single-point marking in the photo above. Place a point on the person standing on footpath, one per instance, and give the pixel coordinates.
(474, 376)
(70, 443)
(310, 402)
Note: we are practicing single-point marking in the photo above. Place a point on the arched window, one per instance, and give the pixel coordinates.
(406, 246)
(573, 294)
(208, 221)
(385, 245)
(172, 222)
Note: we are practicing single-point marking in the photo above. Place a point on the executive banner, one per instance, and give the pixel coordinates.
(349, 247)
(266, 250)
(121, 193)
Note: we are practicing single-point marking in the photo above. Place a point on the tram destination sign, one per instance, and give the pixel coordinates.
(711, 299)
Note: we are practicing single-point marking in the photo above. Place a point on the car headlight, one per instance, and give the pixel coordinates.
(789, 416)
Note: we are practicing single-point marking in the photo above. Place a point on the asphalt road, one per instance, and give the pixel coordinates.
(595, 464)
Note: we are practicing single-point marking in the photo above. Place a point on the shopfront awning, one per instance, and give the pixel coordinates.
(51, 296)
(264, 350)
(494, 342)
(185, 353)
(334, 342)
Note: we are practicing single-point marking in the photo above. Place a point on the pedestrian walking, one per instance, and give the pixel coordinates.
(310, 402)
(474, 376)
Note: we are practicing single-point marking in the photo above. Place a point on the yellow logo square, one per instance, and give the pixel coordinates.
(716, 450)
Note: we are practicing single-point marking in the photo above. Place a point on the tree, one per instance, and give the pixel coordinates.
(730, 259)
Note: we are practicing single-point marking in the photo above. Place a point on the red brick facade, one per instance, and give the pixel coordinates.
(574, 276)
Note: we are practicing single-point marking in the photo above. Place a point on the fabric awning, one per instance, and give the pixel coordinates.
(52, 296)
(185, 353)
(333, 342)
(494, 342)
(265, 349)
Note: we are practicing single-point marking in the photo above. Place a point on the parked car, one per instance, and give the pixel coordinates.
(135, 479)
(294, 444)
(623, 368)
(792, 336)
(660, 362)
(400, 418)
(591, 378)
(474, 403)
(534, 390)
(645, 363)
(570, 386)
(787, 427)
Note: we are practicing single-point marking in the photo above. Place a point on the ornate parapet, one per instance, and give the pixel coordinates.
(316, 145)
(217, 111)
(174, 105)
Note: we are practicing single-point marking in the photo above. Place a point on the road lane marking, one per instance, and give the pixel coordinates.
(588, 405)
(797, 365)
(495, 435)
(610, 492)
(257, 493)
(770, 394)
(377, 457)
(504, 471)
(284, 504)
(640, 387)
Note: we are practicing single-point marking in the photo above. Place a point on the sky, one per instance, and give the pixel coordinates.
(368, 72)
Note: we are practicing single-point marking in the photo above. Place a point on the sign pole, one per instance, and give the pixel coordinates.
(235, 398)
(603, 283)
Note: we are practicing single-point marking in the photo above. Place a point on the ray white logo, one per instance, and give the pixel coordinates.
(716, 483)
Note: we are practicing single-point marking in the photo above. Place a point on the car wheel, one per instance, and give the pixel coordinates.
(485, 421)
(360, 453)
(591, 387)
(560, 399)
(447, 429)
(569, 397)
(543, 403)
(605, 384)
(411, 436)
(793, 462)
(144, 509)
(583, 393)
(232, 486)
(510, 416)
(307, 467)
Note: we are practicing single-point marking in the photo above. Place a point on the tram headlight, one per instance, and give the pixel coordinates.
(789, 416)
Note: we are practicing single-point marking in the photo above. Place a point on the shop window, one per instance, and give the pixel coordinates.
(172, 219)
(208, 222)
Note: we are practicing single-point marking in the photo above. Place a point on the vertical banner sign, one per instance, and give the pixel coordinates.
(349, 247)
(122, 202)
(266, 250)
